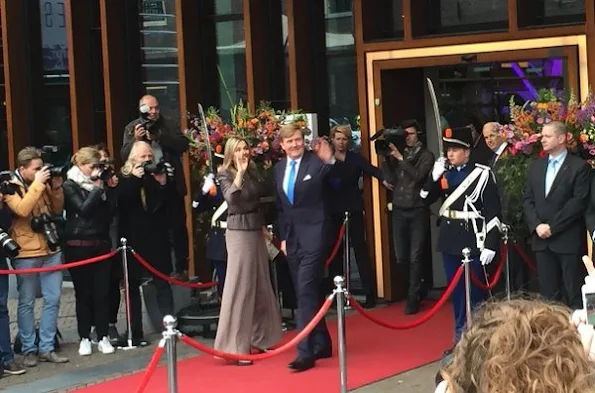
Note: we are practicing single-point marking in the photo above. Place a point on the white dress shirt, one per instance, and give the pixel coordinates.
(287, 169)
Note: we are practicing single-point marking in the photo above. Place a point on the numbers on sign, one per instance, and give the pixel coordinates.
(48, 14)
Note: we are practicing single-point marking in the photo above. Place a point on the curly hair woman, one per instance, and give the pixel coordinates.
(520, 346)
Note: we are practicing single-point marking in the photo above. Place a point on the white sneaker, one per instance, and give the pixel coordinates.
(105, 346)
(85, 347)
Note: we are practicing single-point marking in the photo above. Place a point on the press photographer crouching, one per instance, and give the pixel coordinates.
(38, 198)
(144, 194)
(89, 213)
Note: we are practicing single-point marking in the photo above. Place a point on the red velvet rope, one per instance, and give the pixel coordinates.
(292, 343)
(151, 367)
(169, 279)
(525, 257)
(417, 322)
(62, 266)
(336, 246)
(497, 274)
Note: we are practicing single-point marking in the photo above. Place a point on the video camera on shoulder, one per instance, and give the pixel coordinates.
(395, 135)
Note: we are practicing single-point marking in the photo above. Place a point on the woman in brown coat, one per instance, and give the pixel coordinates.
(249, 314)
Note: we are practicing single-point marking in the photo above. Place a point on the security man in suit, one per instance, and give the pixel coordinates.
(469, 215)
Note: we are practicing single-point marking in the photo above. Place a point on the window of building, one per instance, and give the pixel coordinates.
(551, 12)
(4, 164)
(382, 19)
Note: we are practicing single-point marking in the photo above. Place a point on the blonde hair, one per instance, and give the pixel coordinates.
(344, 130)
(86, 155)
(520, 345)
(131, 161)
(289, 130)
(229, 163)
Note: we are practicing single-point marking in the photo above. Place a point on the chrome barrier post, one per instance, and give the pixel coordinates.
(505, 229)
(124, 243)
(341, 294)
(346, 255)
(467, 265)
(171, 337)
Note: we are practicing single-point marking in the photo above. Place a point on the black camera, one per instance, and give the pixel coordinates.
(157, 169)
(106, 172)
(143, 119)
(396, 136)
(10, 247)
(46, 225)
(57, 171)
(6, 187)
(50, 157)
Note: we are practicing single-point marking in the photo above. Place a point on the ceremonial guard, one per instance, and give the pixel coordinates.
(468, 217)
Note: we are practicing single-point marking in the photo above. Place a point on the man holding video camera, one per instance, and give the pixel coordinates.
(168, 145)
(37, 199)
(407, 165)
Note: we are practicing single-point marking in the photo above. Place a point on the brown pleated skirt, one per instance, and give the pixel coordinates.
(249, 313)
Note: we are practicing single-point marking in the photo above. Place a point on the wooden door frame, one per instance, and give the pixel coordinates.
(573, 47)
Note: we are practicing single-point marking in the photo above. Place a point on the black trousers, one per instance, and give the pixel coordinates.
(560, 277)
(165, 300)
(91, 289)
(410, 229)
(306, 272)
(178, 231)
(357, 240)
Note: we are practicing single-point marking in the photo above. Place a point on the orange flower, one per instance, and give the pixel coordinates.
(583, 138)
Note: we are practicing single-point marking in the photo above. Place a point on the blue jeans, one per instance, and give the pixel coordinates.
(6, 355)
(451, 265)
(51, 288)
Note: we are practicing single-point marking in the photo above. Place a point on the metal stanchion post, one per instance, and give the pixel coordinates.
(346, 255)
(505, 229)
(467, 265)
(171, 337)
(124, 243)
(341, 294)
(276, 281)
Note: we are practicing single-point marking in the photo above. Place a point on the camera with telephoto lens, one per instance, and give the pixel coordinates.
(56, 171)
(396, 136)
(152, 168)
(6, 187)
(106, 172)
(46, 225)
(9, 246)
(143, 119)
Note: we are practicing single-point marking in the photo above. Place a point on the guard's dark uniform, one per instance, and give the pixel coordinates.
(469, 220)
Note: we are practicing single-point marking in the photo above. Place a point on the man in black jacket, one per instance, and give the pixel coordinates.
(555, 195)
(168, 145)
(408, 171)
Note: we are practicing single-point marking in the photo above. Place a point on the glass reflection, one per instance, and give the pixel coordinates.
(549, 13)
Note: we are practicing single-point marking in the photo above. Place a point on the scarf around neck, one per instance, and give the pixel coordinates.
(83, 181)
(411, 152)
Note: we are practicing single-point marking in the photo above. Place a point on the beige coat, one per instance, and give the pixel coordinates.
(39, 199)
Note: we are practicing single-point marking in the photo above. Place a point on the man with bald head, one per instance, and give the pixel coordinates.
(495, 141)
(168, 145)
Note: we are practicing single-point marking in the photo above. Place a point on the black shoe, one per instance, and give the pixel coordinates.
(302, 364)
(412, 306)
(323, 354)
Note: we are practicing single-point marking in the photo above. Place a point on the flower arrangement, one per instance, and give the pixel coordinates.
(260, 129)
(523, 137)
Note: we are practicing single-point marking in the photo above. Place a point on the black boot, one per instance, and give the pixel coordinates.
(412, 306)
(370, 301)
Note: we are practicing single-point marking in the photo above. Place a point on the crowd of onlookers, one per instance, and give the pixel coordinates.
(65, 214)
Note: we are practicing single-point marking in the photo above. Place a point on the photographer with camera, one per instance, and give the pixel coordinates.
(407, 163)
(144, 194)
(89, 213)
(38, 199)
(168, 145)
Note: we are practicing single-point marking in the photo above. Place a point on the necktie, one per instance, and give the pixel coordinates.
(291, 182)
(550, 175)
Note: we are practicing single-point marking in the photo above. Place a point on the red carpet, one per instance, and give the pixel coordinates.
(373, 353)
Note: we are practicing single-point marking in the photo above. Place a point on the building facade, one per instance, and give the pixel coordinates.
(74, 70)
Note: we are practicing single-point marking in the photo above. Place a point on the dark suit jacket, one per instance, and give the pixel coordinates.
(564, 207)
(305, 222)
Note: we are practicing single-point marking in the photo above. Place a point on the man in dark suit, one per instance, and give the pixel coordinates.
(301, 182)
(554, 201)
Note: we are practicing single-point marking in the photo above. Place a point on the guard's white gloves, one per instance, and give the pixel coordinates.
(439, 168)
(486, 256)
(170, 169)
(209, 182)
